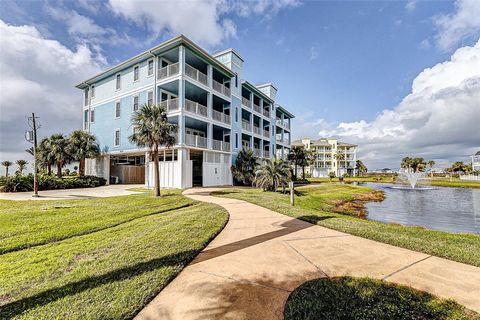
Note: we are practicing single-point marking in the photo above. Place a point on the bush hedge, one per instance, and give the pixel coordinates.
(19, 183)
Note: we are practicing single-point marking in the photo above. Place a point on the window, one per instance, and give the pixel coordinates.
(86, 96)
(136, 71)
(236, 140)
(236, 114)
(135, 103)
(150, 98)
(150, 67)
(116, 141)
(93, 91)
(236, 80)
(117, 109)
(92, 116)
(85, 120)
(119, 82)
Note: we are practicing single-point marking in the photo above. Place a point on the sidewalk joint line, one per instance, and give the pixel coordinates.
(320, 237)
(405, 267)
(306, 259)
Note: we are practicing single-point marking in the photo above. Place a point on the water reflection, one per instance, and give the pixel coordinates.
(444, 209)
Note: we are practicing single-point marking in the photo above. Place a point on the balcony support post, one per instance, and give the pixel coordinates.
(209, 135)
(209, 75)
(209, 104)
(181, 59)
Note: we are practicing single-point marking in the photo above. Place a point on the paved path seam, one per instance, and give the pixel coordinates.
(306, 259)
(405, 268)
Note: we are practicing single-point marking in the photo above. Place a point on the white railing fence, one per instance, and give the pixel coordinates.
(221, 145)
(196, 74)
(195, 107)
(246, 102)
(220, 116)
(195, 141)
(170, 104)
(168, 71)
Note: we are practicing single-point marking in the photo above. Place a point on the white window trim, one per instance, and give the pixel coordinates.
(136, 66)
(153, 97)
(133, 102)
(92, 111)
(120, 109)
(119, 137)
(153, 69)
(120, 88)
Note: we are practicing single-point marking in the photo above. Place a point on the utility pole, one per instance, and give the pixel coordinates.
(32, 138)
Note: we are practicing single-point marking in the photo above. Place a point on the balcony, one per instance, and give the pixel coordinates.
(195, 107)
(257, 152)
(266, 154)
(246, 125)
(196, 74)
(266, 113)
(170, 104)
(221, 145)
(217, 86)
(257, 130)
(246, 102)
(256, 108)
(220, 117)
(282, 124)
(195, 141)
(266, 133)
(168, 71)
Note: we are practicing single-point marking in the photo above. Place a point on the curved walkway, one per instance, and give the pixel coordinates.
(250, 268)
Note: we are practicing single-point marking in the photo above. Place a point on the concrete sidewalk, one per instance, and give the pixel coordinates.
(250, 268)
(80, 193)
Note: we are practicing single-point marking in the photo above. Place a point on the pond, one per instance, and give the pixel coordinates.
(439, 208)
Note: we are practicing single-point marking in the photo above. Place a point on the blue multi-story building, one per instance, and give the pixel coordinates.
(217, 113)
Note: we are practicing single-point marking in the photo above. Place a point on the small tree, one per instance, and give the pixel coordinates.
(245, 167)
(273, 174)
(296, 156)
(331, 175)
(153, 130)
(361, 168)
(6, 164)
(82, 145)
(21, 165)
(431, 163)
(59, 145)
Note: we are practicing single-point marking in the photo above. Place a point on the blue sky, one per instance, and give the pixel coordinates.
(338, 64)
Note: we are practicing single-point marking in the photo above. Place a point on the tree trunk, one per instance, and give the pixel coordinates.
(59, 170)
(6, 171)
(156, 171)
(49, 169)
(295, 171)
(81, 167)
(303, 172)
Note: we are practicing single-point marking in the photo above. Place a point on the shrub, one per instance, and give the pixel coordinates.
(45, 182)
(331, 175)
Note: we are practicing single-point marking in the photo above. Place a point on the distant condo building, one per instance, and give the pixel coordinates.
(476, 161)
(330, 155)
(217, 113)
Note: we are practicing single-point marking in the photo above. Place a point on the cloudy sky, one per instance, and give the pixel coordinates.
(398, 78)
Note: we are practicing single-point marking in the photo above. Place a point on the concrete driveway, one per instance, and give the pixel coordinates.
(104, 191)
(251, 267)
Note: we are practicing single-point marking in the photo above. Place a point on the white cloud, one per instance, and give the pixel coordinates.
(439, 119)
(203, 21)
(313, 53)
(411, 5)
(464, 23)
(38, 75)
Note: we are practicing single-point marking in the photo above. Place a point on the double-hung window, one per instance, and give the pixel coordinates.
(136, 73)
(135, 103)
(117, 109)
(118, 83)
(150, 67)
(85, 119)
(116, 138)
(93, 91)
(92, 115)
(150, 98)
(86, 96)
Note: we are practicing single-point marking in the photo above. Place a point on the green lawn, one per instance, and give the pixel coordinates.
(454, 182)
(101, 258)
(437, 182)
(385, 179)
(368, 299)
(316, 204)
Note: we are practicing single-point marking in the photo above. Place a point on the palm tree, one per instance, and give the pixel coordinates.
(45, 156)
(82, 145)
(6, 164)
(273, 173)
(21, 165)
(361, 168)
(339, 156)
(245, 166)
(296, 156)
(416, 164)
(431, 163)
(59, 145)
(153, 130)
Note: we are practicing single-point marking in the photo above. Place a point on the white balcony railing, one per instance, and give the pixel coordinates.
(257, 130)
(221, 145)
(246, 102)
(246, 125)
(170, 104)
(221, 88)
(266, 113)
(266, 133)
(266, 154)
(221, 117)
(257, 152)
(196, 74)
(168, 71)
(195, 141)
(195, 107)
(256, 108)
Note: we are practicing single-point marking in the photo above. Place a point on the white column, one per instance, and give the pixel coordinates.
(209, 135)
(209, 105)
(147, 167)
(251, 100)
(181, 59)
(209, 75)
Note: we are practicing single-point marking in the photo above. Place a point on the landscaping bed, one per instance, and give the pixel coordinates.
(368, 299)
(19, 183)
(316, 204)
(97, 258)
